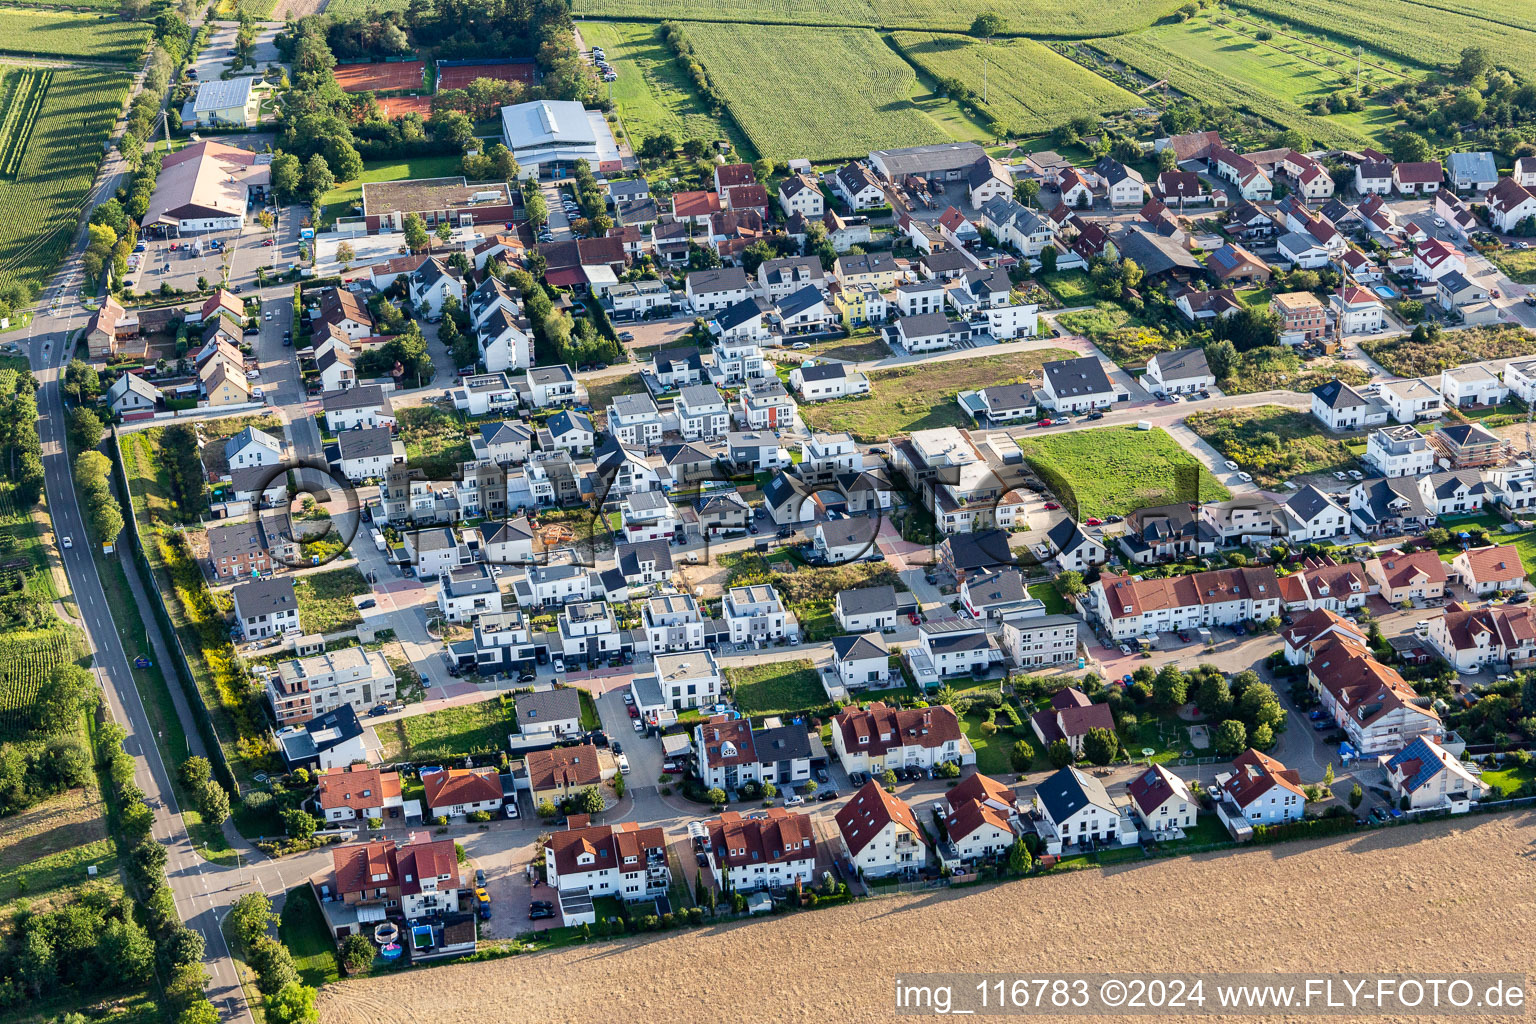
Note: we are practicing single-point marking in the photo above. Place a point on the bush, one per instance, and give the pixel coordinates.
(375, 823)
(1022, 756)
(478, 816)
(356, 954)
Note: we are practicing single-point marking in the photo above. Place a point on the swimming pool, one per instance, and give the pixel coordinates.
(1385, 291)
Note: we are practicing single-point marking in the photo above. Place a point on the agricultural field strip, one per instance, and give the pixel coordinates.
(1160, 62)
(1048, 18)
(22, 106)
(38, 210)
(1030, 87)
(836, 94)
(1413, 32)
(46, 33)
(25, 658)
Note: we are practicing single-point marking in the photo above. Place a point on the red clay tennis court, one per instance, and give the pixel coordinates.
(380, 77)
(396, 107)
(460, 75)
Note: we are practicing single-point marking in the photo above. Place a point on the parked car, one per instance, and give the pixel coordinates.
(1095, 415)
(540, 911)
(1051, 506)
(1246, 478)
(379, 709)
(1230, 465)
(623, 763)
(825, 795)
(1094, 521)
(480, 878)
(634, 712)
(369, 603)
(629, 698)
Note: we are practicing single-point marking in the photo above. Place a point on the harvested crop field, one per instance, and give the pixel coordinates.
(1394, 899)
(380, 77)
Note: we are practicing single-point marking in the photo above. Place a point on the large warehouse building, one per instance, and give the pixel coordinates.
(205, 187)
(549, 136)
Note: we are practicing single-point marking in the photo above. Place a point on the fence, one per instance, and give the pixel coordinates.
(184, 676)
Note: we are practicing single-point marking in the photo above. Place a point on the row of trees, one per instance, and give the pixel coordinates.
(93, 476)
(288, 999)
(21, 447)
(51, 760)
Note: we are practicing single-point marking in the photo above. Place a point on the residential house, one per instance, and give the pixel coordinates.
(1128, 607)
(981, 818)
(780, 278)
(805, 312)
(1411, 400)
(1317, 631)
(710, 291)
(366, 406)
(995, 595)
(800, 194)
(1473, 639)
(987, 180)
(414, 881)
(1069, 717)
(132, 397)
(1433, 259)
(1455, 291)
(1000, 404)
(1183, 371)
(825, 381)
(878, 737)
(367, 453)
(848, 539)
(1424, 776)
(1471, 172)
(622, 860)
(861, 660)
(678, 367)
(306, 688)
(1260, 791)
(1076, 385)
(1072, 810)
(561, 773)
(507, 542)
(1309, 515)
(1201, 306)
(702, 412)
(634, 420)
(1163, 533)
(549, 714)
(503, 442)
(1357, 310)
(1373, 177)
(731, 753)
(467, 592)
(1490, 569)
(1399, 450)
(680, 682)
(866, 608)
(765, 405)
(881, 834)
(1510, 204)
(1323, 583)
(1253, 184)
(1030, 640)
(1232, 263)
(589, 634)
(877, 269)
(1371, 702)
(266, 608)
(1302, 318)
(1520, 377)
(856, 186)
(1162, 801)
(356, 793)
(1389, 506)
(1123, 186)
(1418, 178)
(756, 614)
(773, 850)
(1402, 578)
(1073, 549)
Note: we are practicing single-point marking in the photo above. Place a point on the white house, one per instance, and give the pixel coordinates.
(1509, 204)
(1180, 372)
(877, 737)
(1162, 800)
(633, 419)
(131, 393)
(506, 341)
(1030, 641)
(1429, 777)
(823, 381)
(1261, 791)
(1357, 310)
(866, 609)
(251, 448)
(1128, 607)
(355, 793)
(432, 283)
(1301, 250)
(367, 453)
(465, 593)
(1076, 385)
(1073, 809)
(980, 819)
(1411, 400)
(1472, 385)
(1433, 259)
(929, 332)
(266, 607)
(709, 291)
(862, 660)
(622, 860)
(756, 614)
(880, 833)
(1399, 450)
(1520, 377)
(798, 193)
(1310, 515)
(366, 406)
(702, 412)
(773, 850)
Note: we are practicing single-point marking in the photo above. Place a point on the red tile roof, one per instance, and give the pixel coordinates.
(883, 728)
(356, 866)
(563, 767)
(974, 803)
(610, 845)
(864, 817)
(461, 786)
(1152, 788)
(1495, 563)
(776, 837)
(1399, 570)
(721, 730)
(1255, 774)
(357, 787)
(695, 204)
(427, 860)
(1419, 173)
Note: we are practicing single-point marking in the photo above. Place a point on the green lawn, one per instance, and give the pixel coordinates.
(922, 396)
(1272, 442)
(994, 754)
(435, 440)
(1507, 782)
(71, 34)
(1055, 604)
(653, 93)
(1115, 470)
(1255, 298)
(776, 687)
(303, 930)
(339, 200)
(449, 732)
(589, 719)
(1072, 287)
(325, 600)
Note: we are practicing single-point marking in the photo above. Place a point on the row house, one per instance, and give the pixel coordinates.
(1073, 810)
(1370, 701)
(731, 752)
(881, 833)
(878, 737)
(772, 850)
(1323, 583)
(1128, 607)
(622, 860)
(980, 819)
(1430, 778)
(1473, 639)
(755, 614)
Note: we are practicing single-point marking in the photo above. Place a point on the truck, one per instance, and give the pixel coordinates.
(378, 540)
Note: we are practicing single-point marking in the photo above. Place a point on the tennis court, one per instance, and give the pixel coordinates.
(380, 77)
(457, 76)
(396, 107)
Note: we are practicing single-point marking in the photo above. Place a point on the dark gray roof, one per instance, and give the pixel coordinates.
(1154, 253)
(567, 420)
(1001, 587)
(924, 325)
(469, 579)
(1002, 397)
(504, 433)
(1069, 791)
(1337, 395)
(867, 645)
(800, 300)
(854, 530)
(1454, 282)
(983, 550)
(631, 555)
(823, 371)
(548, 706)
(1183, 364)
(365, 443)
(506, 530)
(781, 743)
(695, 395)
(689, 357)
(946, 260)
(738, 313)
(556, 374)
(265, 596)
(1082, 376)
(1067, 536)
(1307, 503)
(234, 539)
(636, 404)
(865, 600)
(720, 279)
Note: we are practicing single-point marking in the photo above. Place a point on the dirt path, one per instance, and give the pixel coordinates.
(1399, 899)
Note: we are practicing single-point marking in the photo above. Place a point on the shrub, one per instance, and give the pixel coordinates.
(478, 816)
(375, 823)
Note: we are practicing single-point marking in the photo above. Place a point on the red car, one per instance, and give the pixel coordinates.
(1051, 506)
(671, 769)
(266, 241)
(1094, 521)
(634, 712)
(915, 620)
(1045, 422)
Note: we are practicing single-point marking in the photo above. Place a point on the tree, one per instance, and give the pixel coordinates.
(345, 253)
(1022, 756)
(195, 771)
(1410, 147)
(295, 1004)
(298, 824)
(1100, 746)
(185, 946)
(1263, 737)
(201, 1011)
(1475, 60)
(1048, 260)
(1168, 159)
(1356, 794)
(716, 796)
(356, 953)
(80, 382)
(66, 693)
(85, 429)
(658, 146)
(273, 964)
(888, 779)
(1231, 738)
(251, 915)
(266, 220)
(343, 160)
(1328, 775)
(1259, 706)
(770, 791)
(444, 232)
(416, 237)
(589, 801)
(127, 952)
(34, 963)
(318, 179)
(213, 803)
(988, 24)
(287, 177)
(1170, 688)
(1026, 191)
(1071, 584)
(1019, 859)
(1060, 753)
(1221, 357)
(1213, 697)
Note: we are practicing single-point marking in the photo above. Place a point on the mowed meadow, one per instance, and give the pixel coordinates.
(1024, 17)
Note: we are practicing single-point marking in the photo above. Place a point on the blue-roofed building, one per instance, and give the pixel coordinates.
(1232, 262)
(1430, 777)
(1073, 811)
(1472, 172)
